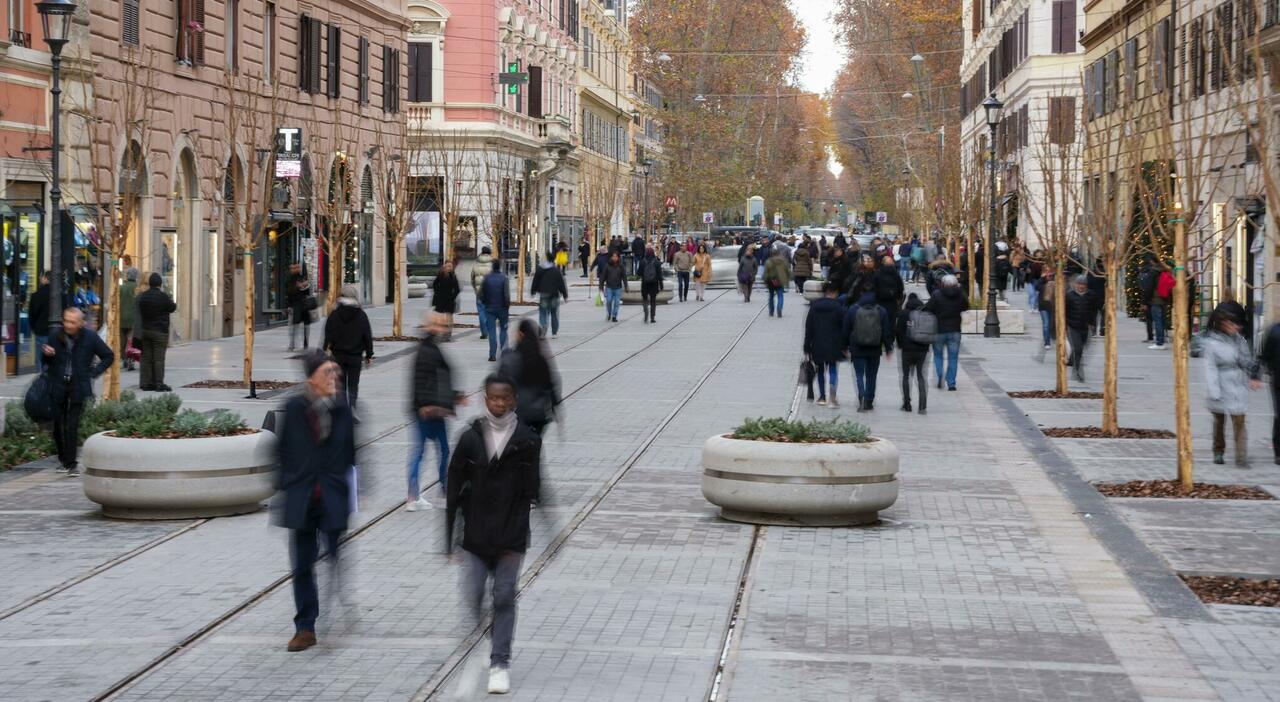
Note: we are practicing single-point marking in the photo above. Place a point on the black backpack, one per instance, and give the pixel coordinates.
(651, 272)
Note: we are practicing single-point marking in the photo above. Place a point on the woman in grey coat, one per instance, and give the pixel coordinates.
(1230, 373)
(747, 267)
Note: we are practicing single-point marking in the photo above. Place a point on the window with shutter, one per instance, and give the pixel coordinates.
(269, 42)
(1214, 49)
(535, 91)
(420, 56)
(304, 40)
(1159, 46)
(1131, 70)
(1099, 89)
(1197, 57)
(362, 71)
(313, 56)
(231, 52)
(197, 30)
(1226, 44)
(333, 67)
(1062, 120)
(129, 22)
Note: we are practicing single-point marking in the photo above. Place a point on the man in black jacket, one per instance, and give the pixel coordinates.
(70, 354)
(154, 308)
(948, 305)
(433, 402)
(494, 477)
(1081, 312)
(316, 454)
(347, 336)
(548, 284)
(637, 254)
(584, 255)
(38, 314)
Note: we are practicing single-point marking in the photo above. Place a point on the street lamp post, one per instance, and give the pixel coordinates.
(991, 329)
(56, 15)
(646, 165)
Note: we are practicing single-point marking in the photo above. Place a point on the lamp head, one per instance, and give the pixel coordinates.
(992, 105)
(56, 15)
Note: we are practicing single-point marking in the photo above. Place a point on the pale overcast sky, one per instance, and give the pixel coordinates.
(822, 57)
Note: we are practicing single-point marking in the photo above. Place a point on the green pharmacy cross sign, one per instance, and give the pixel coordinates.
(513, 78)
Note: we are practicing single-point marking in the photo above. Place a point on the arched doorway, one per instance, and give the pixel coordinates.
(341, 229)
(131, 190)
(179, 253)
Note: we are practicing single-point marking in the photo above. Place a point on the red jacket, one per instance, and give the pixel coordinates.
(1164, 286)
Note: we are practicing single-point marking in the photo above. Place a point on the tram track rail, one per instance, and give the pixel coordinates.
(125, 683)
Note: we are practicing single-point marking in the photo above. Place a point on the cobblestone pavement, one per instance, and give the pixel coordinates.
(985, 581)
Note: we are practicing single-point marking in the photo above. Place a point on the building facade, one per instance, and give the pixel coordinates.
(1026, 53)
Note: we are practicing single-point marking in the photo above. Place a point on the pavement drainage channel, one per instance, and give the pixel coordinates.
(124, 684)
(455, 664)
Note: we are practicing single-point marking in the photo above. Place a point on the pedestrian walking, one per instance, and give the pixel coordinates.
(948, 304)
(1003, 268)
(482, 267)
(495, 294)
(70, 354)
(1018, 263)
(701, 271)
(747, 273)
(939, 268)
(637, 254)
(1080, 313)
(777, 277)
(650, 285)
(528, 364)
(1230, 372)
(613, 281)
(154, 308)
(1161, 299)
(1148, 276)
(433, 401)
(915, 332)
(301, 304)
(682, 263)
(1270, 356)
(128, 315)
(562, 257)
(867, 333)
(1097, 283)
(549, 285)
(840, 271)
(494, 479)
(445, 290)
(1047, 289)
(38, 316)
(584, 255)
(348, 337)
(316, 455)
(889, 289)
(904, 259)
(802, 264)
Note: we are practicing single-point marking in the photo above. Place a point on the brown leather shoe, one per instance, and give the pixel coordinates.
(301, 641)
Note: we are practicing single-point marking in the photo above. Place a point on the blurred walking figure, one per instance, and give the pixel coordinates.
(650, 284)
(613, 280)
(38, 315)
(1270, 355)
(1230, 372)
(445, 290)
(70, 354)
(494, 478)
(481, 268)
(802, 264)
(916, 330)
(495, 296)
(747, 272)
(528, 365)
(1080, 314)
(682, 262)
(548, 284)
(347, 336)
(777, 277)
(154, 308)
(300, 303)
(316, 452)
(128, 315)
(433, 402)
(701, 271)
(823, 340)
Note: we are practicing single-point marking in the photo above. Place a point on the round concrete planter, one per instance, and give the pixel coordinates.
(812, 289)
(417, 290)
(763, 482)
(178, 478)
(633, 297)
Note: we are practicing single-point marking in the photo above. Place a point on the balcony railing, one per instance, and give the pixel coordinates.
(17, 37)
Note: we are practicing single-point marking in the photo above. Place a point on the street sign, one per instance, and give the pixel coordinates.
(288, 152)
(708, 217)
(869, 217)
(882, 217)
(670, 202)
(514, 78)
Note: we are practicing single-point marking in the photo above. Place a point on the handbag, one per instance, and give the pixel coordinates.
(310, 303)
(697, 272)
(44, 396)
(807, 372)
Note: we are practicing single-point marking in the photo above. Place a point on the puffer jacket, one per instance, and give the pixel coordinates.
(802, 263)
(1080, 310)
(482, 267)
(948, 305)
(1228, 367)
(776, 268)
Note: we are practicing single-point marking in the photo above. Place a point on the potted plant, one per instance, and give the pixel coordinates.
(815, 473)
(154, 462)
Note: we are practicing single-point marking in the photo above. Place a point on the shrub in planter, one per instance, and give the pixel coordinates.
(815, 473)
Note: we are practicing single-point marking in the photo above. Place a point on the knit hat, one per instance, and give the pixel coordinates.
(312, 360)
(131, 274)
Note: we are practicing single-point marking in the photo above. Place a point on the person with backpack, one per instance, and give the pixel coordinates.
(948, 304)
(495, 295)
(494, 480)
(824, 340)
(548, 284)
(802, 264)
(939, 268)
(777, 277)
(915, 332)
(918, 263)
(348, 336)
(747, 273)
(867, 332)
(650, 285)
(637, 254)
(1161, 297)
(613, 281)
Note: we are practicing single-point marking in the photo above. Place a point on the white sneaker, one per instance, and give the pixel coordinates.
(1047, 347)
(1156, 347)
(421, 503)
(499, 681)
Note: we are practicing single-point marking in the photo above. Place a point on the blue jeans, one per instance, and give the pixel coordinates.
(865, 371)
(832, 377)
(950, 341)
(428, 430)
(1046, 326)
(549, 306)
(40, 344)
(778, 293)
(1033, 296)
(904, 268)
(482, 317)
(1157, 323)
(495, 323)
(612, 300)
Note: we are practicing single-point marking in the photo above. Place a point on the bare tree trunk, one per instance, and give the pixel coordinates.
(248, 316)
(335, 274)
(111, 384)
(1181, 400)
(1111, 359)
(1060, 326)
(397, 307)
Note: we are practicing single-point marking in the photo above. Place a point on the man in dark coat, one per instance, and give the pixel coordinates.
(70, 354)
(637, 254)
(1081, 312)
(866, 356)
(548, 284)
(316, 455)
(584, 255)
(38, 315)
(495, 295)
(348, 336)
(494, 478)
(948, 304)
(913, 354)
(154, 308)
(823, 343)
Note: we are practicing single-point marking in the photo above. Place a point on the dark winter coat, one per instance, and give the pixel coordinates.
(912, 352)
(637, 247)
(1081, 310)
(889, 288)
(306, 463)
(154, 308)
(886, 330)
(802, 262)
(347, 334)
(1097, 291)
(493, 494)
(495, 293)
(38, 310)
(613, 277)
(1270, 353)
(947, 304)
(841, 269)
(445, 290)
(75, 357)
(548, 281)
(822, 331)
(432, 378)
